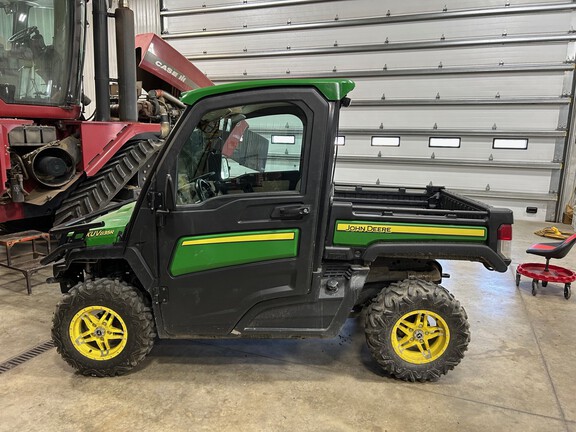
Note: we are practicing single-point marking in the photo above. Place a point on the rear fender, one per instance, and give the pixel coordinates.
(452, 251)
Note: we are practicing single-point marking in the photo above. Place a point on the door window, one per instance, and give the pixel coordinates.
(244, 149)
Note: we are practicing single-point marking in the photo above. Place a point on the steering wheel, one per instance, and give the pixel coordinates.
(23, 34)
(203, 189)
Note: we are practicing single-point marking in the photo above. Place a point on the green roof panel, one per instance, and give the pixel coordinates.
(332, 89)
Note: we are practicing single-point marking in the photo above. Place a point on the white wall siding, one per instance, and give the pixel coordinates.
(473, 69)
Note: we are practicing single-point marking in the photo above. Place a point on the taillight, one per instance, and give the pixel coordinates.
(505, 240)
(505, 232)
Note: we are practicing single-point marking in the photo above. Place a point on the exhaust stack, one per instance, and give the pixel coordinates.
(125, 50)
(101, 64)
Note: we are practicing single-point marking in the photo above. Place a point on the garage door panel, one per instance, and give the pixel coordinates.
(452, 177)
(478, 149)
(520, 208)
(401, 32)
(484, 90)
(453, 118)
(309, 12)
(461, 87)
(508, 55)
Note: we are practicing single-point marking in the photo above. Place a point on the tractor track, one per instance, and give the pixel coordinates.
(97, 192)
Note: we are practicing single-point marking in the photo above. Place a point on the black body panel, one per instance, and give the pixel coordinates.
(211, 302)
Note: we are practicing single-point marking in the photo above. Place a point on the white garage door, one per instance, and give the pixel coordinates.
(474, 95)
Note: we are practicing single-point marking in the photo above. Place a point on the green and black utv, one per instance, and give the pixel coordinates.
(240, 232)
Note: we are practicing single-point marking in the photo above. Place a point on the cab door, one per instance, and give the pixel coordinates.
(230, 243)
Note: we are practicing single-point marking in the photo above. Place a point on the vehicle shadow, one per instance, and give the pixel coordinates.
(345, 354)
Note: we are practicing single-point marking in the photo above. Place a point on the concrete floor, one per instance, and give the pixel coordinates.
(517, 374)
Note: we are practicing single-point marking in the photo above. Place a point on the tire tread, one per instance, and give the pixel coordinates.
(398, 299)
(103, 291)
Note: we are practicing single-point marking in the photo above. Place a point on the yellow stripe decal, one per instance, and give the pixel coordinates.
(410, 229)
(240, 239)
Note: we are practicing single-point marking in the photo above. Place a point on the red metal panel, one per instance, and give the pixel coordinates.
(11, 211)
(160, 59)
(38, 112)
(6, 125)
(101, 141)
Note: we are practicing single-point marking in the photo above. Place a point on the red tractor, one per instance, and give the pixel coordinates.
(55, 165)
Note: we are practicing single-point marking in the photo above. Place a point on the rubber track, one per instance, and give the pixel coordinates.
(98, 191)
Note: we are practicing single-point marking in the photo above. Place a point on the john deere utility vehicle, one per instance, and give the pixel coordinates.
(240, 232)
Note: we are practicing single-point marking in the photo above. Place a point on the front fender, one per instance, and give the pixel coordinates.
(131, 255)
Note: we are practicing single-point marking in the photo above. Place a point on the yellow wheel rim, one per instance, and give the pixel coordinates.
(98, 332)
(420, 337)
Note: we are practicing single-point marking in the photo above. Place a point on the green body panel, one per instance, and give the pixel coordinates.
(224, 250)
(363, 233)
(114, 223)
(332, 89)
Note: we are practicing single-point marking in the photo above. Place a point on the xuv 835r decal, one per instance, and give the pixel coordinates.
(198, 253)
(356, 233)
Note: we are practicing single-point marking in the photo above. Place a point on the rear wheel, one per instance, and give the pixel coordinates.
(103, 328)
(417, 330)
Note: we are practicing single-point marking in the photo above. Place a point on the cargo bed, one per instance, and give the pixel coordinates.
(429, 222)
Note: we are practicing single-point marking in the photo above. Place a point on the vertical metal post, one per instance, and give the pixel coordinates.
(101, 62)
(568, 173)
(126, 52)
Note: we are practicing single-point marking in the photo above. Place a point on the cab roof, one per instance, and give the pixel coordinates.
(332, 89)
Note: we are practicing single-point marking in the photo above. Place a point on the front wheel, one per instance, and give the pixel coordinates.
(417, 330)
(103, 328)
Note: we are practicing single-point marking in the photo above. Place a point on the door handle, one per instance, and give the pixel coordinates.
(296, 211)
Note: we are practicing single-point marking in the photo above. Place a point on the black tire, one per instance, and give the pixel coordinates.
(397, 301)
(534, 287)
(544, 284)
(125, 304)
(517, 279)
(567, 291)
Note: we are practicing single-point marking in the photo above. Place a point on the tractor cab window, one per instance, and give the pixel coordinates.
(40, 51)
(244, 149)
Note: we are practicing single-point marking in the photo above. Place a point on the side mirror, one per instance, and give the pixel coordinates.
(218, 166)
(224, 169)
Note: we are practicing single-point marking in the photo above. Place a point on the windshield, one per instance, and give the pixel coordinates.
(40, 52)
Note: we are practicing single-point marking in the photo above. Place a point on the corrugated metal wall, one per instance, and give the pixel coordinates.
(474, 70)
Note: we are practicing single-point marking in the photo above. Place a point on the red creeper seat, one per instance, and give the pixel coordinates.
(557, 250)
(546, 272)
